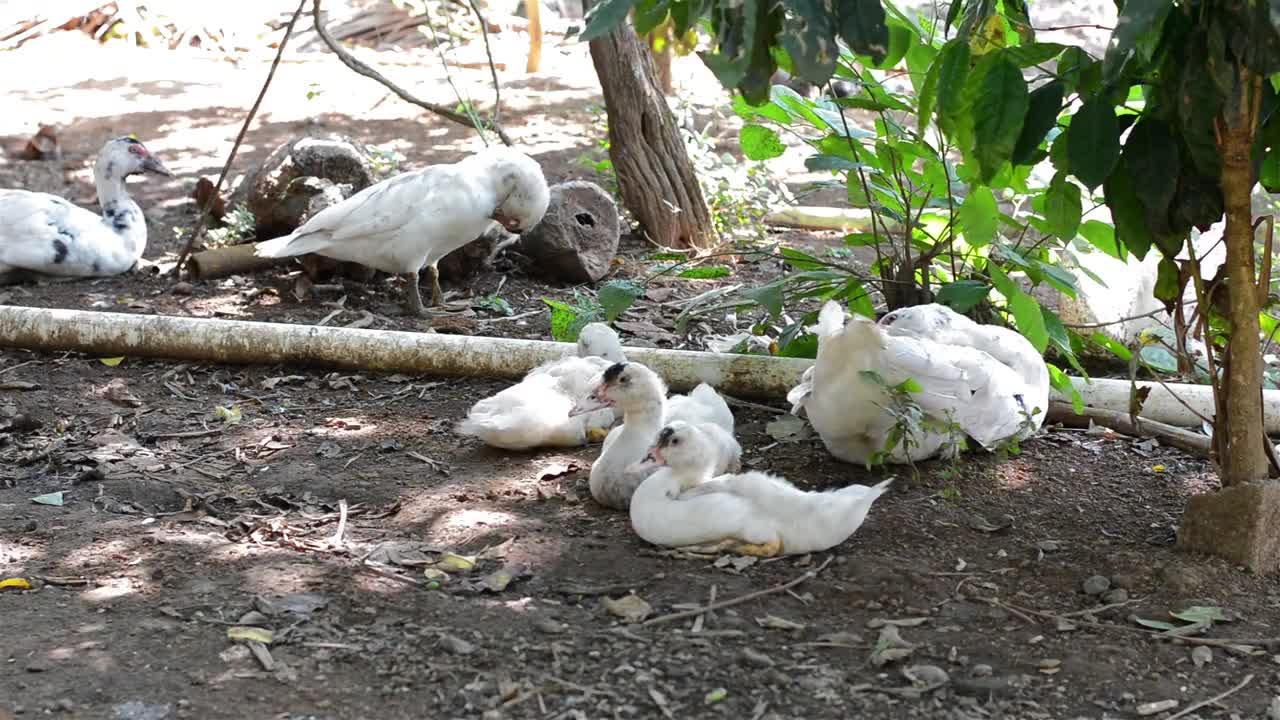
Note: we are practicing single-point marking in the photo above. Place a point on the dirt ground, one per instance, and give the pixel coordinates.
(181, 521)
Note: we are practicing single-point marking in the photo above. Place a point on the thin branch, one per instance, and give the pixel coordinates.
(1085, 26)
(497, 93)
(1087, 326)
(808, 575)
(203, 221)
(1216, 698)
(362, 69)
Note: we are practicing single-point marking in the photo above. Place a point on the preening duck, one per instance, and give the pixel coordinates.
(409, 222)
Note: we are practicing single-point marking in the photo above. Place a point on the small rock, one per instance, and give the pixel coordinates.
(1128, 581)
(549, 626)
(631, 608)
(65, 705)
(1116, 595)
(457, 645)
(1096, 585)
(301, 178)
(1153, 708)
(981, 671)
(182, 288)
(578, 236)
(38, 665)
(926, 677)
(1273, 712)
(1201, 655)
(757, 658)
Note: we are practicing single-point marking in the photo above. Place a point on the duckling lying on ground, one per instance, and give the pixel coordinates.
(412, 220)
(535, 412)
(642, 396)
(45, 234)
(682, 505)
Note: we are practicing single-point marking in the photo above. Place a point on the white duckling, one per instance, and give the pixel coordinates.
(965, 390)
(535, 412)
(412, 220)
(642, 396)
(43, 233)
(755, 513)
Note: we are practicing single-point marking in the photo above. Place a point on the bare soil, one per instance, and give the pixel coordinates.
(178, 525)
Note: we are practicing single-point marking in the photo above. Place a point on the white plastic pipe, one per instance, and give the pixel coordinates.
(242, 342)
(1162, 405)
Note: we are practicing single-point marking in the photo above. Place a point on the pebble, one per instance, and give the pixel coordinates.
(457, 645)
(982, 670)
(757, 658)
(549, 626)
(182, 288)
(1096, 585)
(1116, 595)
(1158, 706)
(37, 666)
(65, 705)
(1201, 655)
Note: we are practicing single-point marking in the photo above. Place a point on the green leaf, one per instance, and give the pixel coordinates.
(1080, 72)
(809, 39)
(760, 143)
(1158, 359)
(1062, 207)
(864, 239)
(768, 297)
(603, 17)
(953, 69)
(908, 386)
(649, 15)
(1116, 347)
(978, 216)
(801, 260)
(862, 26)
(815, 163)
(770, 110)
(1138, 20)
(1033, 54)
(1057, 332)
(1103, 237)
(1127, 212)
(1155, 624)
(1026, 311)
(1168, 281)
(997, 97)
(1150, 153)
(563, 317)
(859, 299)
(1094, 144)
(1062, 383)
(1043, 106)
(616, 296)
(900, 41)
(963, 295)
(709, 272)
(1201, 614)
(801, 345)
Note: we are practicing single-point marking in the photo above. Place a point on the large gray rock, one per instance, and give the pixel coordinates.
(578, 236)
(303, 177)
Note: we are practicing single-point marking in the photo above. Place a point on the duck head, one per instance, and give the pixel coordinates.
(678, 445)
(920, 320)
(520, 187)
(599, 340)
(626, 385)
(125, 156)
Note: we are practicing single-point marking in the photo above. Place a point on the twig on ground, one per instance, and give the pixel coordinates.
(1088, 326)
(387, 572)
(336, 542)
(1216, 698)
(1269, 643)
(362, 69)
(507, 318)
(203, 220)
(754, 406)
(1183, 439)
(808, 575)
(15, 367)
(702, 618)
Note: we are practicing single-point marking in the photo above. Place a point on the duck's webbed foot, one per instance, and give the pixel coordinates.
(734, 546)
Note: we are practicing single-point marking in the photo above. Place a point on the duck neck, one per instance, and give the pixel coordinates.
(640, 425)
(120, 213)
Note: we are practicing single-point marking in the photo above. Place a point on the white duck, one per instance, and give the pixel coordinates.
(642, 396)
(46, 234)
(412, 220)
(755, 513)
(981, 381)
(535, 412)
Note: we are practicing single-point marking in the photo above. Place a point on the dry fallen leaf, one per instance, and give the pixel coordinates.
(111, 362)
(773, 622)
(631, 608)
(250, 634)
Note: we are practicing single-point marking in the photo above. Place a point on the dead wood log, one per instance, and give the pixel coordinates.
(1121, 422)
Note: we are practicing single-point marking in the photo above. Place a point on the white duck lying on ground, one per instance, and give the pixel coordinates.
(412, 220)
(979, 381)
(45, 234)
(642, 396)
(535, 412)
(682, 505)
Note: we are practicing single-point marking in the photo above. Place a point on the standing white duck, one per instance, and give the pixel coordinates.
(535, 412)
(642, 395)
(46, 234)
(965, 389)
(412, 220)
(755, 513)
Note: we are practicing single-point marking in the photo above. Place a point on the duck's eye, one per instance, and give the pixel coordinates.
(624, 380)
(675, 441)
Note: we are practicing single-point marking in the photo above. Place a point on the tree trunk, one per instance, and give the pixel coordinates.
(533, 9)
(662, 61)
(1244, 457)
(655, 175)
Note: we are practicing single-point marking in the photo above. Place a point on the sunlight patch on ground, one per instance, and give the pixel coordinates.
(15, 556)
(1013, 475)
(467, 520)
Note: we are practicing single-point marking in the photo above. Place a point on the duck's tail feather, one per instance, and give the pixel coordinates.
(291, 245)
